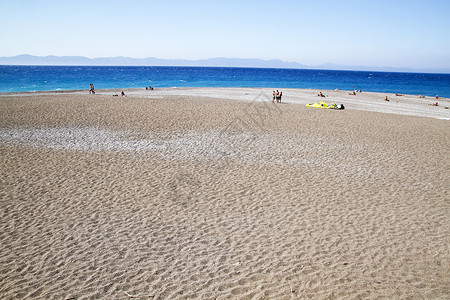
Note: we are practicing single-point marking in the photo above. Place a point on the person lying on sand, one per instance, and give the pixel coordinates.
(398, 95)
(320, 94)
(434, 104)
(354, 93)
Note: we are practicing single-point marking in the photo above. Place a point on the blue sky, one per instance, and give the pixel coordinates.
(392, 33)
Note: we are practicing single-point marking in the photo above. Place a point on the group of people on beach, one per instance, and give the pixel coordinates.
(276, 96)
(355, 90)
(92, 91)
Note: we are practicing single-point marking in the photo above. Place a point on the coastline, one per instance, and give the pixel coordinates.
(186, 194)
(410, 105)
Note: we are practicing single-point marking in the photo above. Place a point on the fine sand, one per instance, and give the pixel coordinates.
(190, 194)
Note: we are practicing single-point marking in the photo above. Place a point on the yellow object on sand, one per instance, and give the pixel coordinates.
(322, 104)
(315, 104)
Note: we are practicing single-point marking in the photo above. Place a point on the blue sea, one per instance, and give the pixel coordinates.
(53, 78)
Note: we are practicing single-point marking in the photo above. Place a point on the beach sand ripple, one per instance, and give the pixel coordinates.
(198, 198)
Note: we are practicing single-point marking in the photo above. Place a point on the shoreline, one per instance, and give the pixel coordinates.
(367, 101)
(137, 90)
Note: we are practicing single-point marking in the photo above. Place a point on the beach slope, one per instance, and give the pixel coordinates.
(192, 195)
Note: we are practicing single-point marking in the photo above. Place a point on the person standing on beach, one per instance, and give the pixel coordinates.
(91, 91)
(273, 97)
(278, 96)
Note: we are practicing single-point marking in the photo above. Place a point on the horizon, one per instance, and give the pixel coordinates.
(400, 34)
(231, 62)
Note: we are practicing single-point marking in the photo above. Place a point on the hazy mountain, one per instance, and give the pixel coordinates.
(26, 59)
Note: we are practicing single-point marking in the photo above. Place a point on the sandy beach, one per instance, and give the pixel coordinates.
(217, 193)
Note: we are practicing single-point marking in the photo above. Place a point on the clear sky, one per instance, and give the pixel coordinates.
(395, 33)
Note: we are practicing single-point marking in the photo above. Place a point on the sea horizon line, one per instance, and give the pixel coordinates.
(216, 62)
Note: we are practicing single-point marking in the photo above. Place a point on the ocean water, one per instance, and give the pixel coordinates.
(51, 78)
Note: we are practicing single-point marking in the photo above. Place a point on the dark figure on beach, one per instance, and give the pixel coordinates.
(386, 98)
(91, 91)
(273, 97)
(320, 94)
(278, 96)
(123, 94)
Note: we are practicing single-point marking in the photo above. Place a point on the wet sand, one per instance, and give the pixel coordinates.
(220, 194)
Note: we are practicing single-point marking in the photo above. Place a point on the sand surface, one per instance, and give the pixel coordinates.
(189, 194)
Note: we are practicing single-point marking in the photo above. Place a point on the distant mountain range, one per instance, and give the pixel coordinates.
(26, 59)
